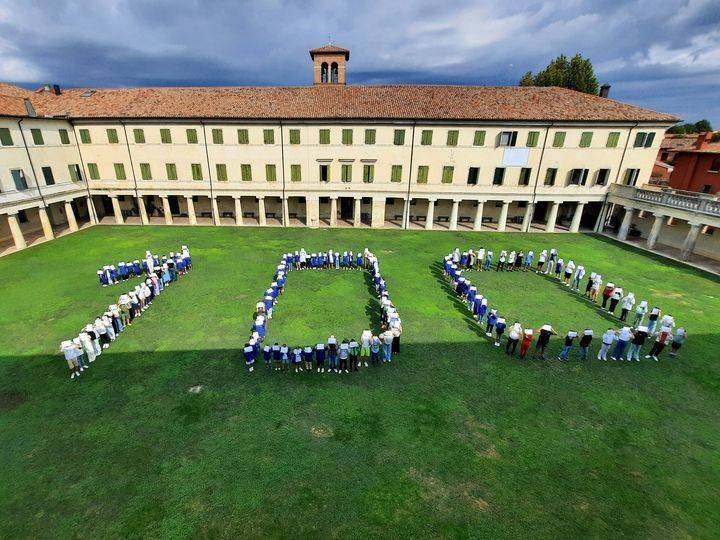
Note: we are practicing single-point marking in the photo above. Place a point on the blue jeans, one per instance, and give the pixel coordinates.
(488, 262)
(583, 353)
(387, 352)
(634, 352)
(565, 351)
(651, 326)
(619, 349)
(332, 361)
(575, 283)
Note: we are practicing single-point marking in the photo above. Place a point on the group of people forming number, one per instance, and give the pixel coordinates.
(628, 340)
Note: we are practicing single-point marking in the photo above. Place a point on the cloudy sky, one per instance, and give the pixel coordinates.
(662, 54)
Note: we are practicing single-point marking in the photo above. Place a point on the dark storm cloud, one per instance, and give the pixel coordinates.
(659, 54)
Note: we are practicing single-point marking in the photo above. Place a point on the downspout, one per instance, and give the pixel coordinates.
(32, 165)
(87, 184)
(406, 217)
(282, 166)
(207, 157)
(537, 176)
(132, 168)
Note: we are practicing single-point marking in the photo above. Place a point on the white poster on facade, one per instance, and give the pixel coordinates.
(515, 157)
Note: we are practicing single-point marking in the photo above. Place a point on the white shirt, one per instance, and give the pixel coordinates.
(625, 334)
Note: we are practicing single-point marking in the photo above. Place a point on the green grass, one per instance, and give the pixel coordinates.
(452, 439)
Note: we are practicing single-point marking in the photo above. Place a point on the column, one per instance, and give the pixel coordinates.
(454, 215)
(116, 210)
(16, 232)
(655, 231)
(502, 221)
(261, 211)
(477, 224)
(238, 211)
(625, 225)
(690, 241)
(166, 210)
(91, 210)
(599, 222)
(430, 215)
(312, 212)
(552, 217)
(357, 207)
(577, 216)
(215, 212)
(527, 219)
(72, 222)
(333, 211)
(191, 210)
(143, 210)
(45, 222)
(378, 212)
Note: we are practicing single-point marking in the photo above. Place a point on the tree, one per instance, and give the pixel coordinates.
(703, 125)
(555, 74)
(581, 75)
(577, 74)
(527, 79)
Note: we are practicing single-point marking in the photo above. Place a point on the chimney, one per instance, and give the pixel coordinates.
(56, 89)
(605, 90)
(703, 139)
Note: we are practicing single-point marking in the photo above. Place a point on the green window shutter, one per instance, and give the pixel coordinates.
(145, 173)
(64, 136)
(112, 135)
(649, 140)
(422, 175)
(269, 136)
(165, 136)
(73, 173)
(93, 171)
(369, 136)
(399, 137)
(221, 172)
(447, 174)
(171, 170)
(295, 173)
(270, 173)
(532, 139)
(550, 176)
(396, 173)
(120, 171)
(347, 136)
(294, 136)
(191, 134)
(139, 135)
(6, 138)
(368, 173)
(37, 137)
(613, 139)
(639, 140)
(243, 137)
(196, 169)
(346, 172)
(245, 172)
(559, 139)
(479, 138)
(426, 137)
(324, 136)
(586, 139)
(85, 136)
(452, 137)
(217, 136)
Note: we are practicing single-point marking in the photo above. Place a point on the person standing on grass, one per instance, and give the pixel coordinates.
(638, 340)
(552, 258)
(501, 261)
(607, 293)
(607, 340)
(526, 342)
(297, 353)
(492, 319)
(624, 338)
(559, 265)
(387, 342)
(344, 354)
(653, 319)
(511, 261)
(365, 339)
(662, 338)
(590, 281)
(528, 261)
(678, 340)
(480, 259)
(541, 261)
(585, 341)
(471, 259)
(615, 298)
(375, 345)
(626, 305)
(488, 260)
(320, 357)
(277, 356)
(513, 338)
(87, 345)
(579, 274)
(545, 331)
(640, 312)
(332, 348)
(499, 330)
(519, 260)
(483, 309)
(267, 356)
(569, 269)
(569, 338)
(308, 357)
(471, 296)
(595, 289)
(249, 353)
(303, 259)
(354, 352)
(72, 352)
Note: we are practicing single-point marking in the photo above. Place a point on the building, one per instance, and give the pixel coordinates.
(697, 168)
(327, 154)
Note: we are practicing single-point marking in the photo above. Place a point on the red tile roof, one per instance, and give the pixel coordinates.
(675, 143)
(12, 100)
(330, 49)
(353, 102)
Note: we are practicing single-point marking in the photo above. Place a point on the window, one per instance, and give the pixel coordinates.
(85, 136)
(324, 173)
(347, 136)
(139, 135)
(294, 136)
(221, 172)
(22, 216)
(93, 171)
(550, 175)
(171, 170)
(473, 174)
(613, 139)
(217, 136)
(145, 172)
(369, 136)
(48, 176)
(295, 173)
(643, 140)
(422, 174)
(37, 137)
(525, 173)
(452, 137)
(399, 137)
(499, 176)
(559, 139)
(479, 138)
(346, 172)
(191, 134)
(578, 177)
(707, 188)
(246, 172)
(532, 139)
(631, 177)
(715, 165)
(268, 136)
(196, 170)
(112, 135)
(270, 173)
(396, 173)
(19, 178)
(602, 177)
(75, 175)
(507, 138)
(165, 136)
(324, 136)
(119, 171)
(5, 137)
(447, 174)
(368, 173)
(426, 137)
(243, 137)
(64, 136)
(586, 139)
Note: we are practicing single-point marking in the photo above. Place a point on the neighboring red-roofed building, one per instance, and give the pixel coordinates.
(698, 168)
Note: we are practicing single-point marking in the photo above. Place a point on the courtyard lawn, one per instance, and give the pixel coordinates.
(452, 439)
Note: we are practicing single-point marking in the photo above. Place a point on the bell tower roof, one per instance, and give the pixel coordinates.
(329, 64)
(330, 49)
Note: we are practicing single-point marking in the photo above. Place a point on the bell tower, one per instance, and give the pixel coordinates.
(329, 64)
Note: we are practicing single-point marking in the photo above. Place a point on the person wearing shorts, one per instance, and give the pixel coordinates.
(365, 340)
(678, 340)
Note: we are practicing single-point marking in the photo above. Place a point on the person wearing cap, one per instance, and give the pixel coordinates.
(640, 312)
(332, 352)
(624, 337)
(626, 305)
(72, 353)
(638, 340)
(249, 353)
(526, 342)
(585, 340)
(569, 339)
(513, 338)
(543, 340)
